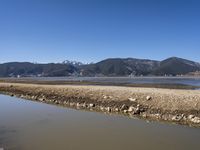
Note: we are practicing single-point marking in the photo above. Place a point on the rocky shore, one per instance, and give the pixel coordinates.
(170, 105)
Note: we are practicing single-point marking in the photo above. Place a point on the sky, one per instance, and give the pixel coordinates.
(92, 30)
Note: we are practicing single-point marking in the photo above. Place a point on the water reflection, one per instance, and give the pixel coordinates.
(195, 81)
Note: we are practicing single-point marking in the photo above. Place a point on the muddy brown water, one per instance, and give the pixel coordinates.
(27, 125)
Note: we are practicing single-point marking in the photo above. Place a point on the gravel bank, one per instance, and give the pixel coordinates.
(171, 105)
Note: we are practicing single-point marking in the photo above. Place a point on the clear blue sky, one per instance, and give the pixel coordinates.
(92, 30)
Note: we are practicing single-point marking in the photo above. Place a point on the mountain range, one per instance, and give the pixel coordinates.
(172, 66)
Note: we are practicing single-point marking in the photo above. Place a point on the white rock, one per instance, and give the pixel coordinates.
(108, 109)
(136, 111)
(101, 108)
(144, 115)
(131, 109)
(158, 116)
(91, 105)
(56, 102)
(124, 107)
(41, 99)
(176, 118)
(148, 97)
(125, 111)
(105, 97)
(84, 105)
(78, 104)
(116, 109)
(132, 99)
(71, 104)
(191, 116)
(195, 120)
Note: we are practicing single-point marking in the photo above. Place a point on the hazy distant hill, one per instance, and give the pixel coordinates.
(31, 69)
(174, 66)
(108, 67)
(120, 67)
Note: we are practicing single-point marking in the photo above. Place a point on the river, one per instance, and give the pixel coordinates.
(28, 125)
(195, 81)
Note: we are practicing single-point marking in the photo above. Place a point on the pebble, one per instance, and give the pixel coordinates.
(191, 116)
(91, 105)
(131, 109)
(195, 120)
(56, 102)
(84, 105)
(125, 111)
(124, 107)
(65, 102)
(157, 116)
(71, 104)
(78, 104)
(105, 97)
(101, 108)
(132, 99)
(136, 111)
(144, 115)
(116, 109)
(148, 98)
(108, 109)
(177, 118)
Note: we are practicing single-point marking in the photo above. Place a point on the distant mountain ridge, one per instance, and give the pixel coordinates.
(14, 69)
(120, 67)
(109, 67)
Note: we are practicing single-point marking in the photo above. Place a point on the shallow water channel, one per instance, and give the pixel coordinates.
(27, 125)
(195, 81)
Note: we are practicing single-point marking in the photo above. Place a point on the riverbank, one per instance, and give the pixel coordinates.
(178, 106)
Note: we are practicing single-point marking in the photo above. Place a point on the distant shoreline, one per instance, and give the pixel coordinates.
(178, 106)
(184, 76)
(85, 81)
